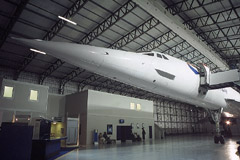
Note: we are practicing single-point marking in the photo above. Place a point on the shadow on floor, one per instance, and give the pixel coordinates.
(62, 152)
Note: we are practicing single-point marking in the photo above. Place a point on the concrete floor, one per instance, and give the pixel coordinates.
(172, 148)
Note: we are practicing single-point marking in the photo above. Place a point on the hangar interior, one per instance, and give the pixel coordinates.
(195, 31)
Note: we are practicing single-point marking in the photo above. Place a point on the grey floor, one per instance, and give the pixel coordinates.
(189, 147)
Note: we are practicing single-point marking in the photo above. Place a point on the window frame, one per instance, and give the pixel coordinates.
(165, 57)
(131, 103)
(30, 95)
(138, 105)
(159, 55)
(3, 91)
(149, 54)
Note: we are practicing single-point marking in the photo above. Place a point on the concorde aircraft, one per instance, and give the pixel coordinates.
(151, 71)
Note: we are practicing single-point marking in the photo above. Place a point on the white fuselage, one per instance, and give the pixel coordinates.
(169, 77)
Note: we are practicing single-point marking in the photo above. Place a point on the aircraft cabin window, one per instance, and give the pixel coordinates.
(159, 55)
(149, 54)
(165, 57)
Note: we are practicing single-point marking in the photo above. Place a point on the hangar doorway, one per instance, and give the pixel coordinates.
(72, 131)
(150, 132)
(124, 133)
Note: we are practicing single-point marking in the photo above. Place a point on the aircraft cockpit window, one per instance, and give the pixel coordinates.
(165, 57)
(149, 54)
(159, 55)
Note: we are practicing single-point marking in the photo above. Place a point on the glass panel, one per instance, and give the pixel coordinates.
(138, 107)
(8, 92)
(33, 95)
(165, 57)
(132, 106)
(159, 55)
(149, 54)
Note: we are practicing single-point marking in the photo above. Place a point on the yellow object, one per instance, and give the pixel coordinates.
(8, 92)
(58, 130)
(33, 95)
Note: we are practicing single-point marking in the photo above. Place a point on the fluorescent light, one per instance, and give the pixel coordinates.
(65, 19)
(37, 51)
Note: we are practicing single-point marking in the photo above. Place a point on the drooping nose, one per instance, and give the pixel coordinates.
(87, 57)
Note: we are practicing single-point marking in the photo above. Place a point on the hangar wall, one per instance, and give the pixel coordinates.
(179, 118)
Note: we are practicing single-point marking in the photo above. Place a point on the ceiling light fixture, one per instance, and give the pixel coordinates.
(37, 51)
(65, 19)
(228, 122)
(227, 114)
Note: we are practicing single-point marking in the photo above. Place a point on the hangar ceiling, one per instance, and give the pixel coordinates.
(118, 24)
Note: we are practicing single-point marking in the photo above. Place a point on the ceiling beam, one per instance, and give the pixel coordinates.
(184, 5)
(157, 42)
(53, 67)
(108, 22)
(177, 49)
(69, 77)
(97, 31)
(224, 34)
(49, 36)
(154, 8)
(135, 33)
(203, 36)
(13, 20)
(229, 31)
(228, 15)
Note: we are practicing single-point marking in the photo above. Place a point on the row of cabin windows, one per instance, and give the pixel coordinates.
(158, 55)
(8, 93)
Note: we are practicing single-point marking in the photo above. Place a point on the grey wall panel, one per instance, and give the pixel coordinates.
(20, 100)
(56, 106)
(76, 104)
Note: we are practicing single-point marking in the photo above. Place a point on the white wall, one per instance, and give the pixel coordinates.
(20, 103)
(105, 108)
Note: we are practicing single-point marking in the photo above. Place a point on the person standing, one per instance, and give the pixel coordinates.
(143, 134)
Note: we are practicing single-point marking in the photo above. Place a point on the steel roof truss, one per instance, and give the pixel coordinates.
(222, 16)
(13, 20)
(134, 34)
(54, 30)
(184, 6)
(70, 77)
(110, 21)
(157, 42)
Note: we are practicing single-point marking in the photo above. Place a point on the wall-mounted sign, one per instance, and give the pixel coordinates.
(121, 120)
(109, 129)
